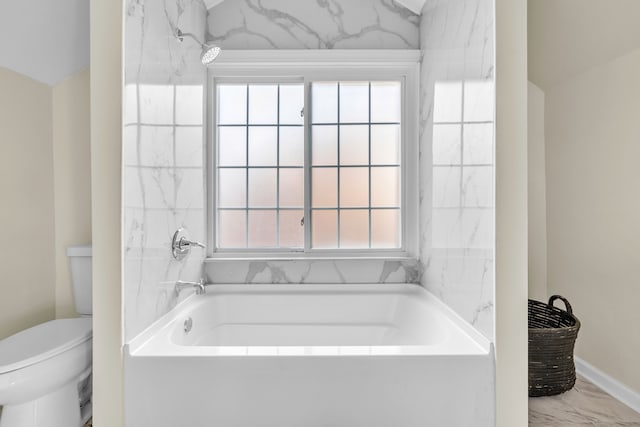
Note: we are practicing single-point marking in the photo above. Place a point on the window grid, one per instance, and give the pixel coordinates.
(247, 208)
(339, 166)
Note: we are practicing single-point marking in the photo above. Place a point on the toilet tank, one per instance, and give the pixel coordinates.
(80, 263)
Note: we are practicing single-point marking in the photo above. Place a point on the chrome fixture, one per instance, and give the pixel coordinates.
(188, 324)
(209, 51)
(199, 285)
(181, 245)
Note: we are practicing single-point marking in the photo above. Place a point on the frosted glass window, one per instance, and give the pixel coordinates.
(385, 186)
(385, 228)
(232, 188)
(232, 146)
(292, 146)
(262, 188)
(232, 104)
(354, 229)
(341, 165)
(447, 101)
(354, 187)
(291, 188)
(354, 145)
(263, 104)
(386, 102)
(385, 144)
(232, 229)
(354, 102)
(324, 229)
(262, 229)
(324, 143)
(324, 101)
(324, 190)
(291, 228)
(263, 146)
(291, 104)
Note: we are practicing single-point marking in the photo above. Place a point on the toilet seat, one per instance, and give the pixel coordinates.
(43, 341)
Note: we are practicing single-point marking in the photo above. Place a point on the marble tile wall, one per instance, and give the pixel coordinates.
(457, 157)
(163, 158)
(313, 24)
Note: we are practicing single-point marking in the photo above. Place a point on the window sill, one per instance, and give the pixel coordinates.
(400, 256)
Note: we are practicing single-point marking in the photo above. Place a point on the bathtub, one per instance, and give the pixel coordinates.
(310, 356)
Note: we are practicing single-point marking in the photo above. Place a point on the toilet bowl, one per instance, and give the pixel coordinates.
(45, 371)
(41, 370)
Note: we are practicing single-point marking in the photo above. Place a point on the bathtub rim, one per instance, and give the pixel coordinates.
(142, 344)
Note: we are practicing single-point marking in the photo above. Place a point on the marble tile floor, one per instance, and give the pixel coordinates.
(584, 405)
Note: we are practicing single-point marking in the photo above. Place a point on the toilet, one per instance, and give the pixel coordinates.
(45, 371)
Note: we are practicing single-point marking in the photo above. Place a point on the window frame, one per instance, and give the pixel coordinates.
(306, 66)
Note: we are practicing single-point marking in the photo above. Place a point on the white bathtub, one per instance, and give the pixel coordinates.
(307, 356)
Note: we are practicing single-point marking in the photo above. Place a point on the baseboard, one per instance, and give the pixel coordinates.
(615, 388)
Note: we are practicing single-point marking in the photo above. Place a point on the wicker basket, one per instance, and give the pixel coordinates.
(552, 336)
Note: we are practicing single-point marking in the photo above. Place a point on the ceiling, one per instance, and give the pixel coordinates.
(47, 40)
(568, 37)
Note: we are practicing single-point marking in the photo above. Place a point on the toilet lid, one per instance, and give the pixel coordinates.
(43, 341)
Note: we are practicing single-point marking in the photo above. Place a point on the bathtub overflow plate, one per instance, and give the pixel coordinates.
(188, 324)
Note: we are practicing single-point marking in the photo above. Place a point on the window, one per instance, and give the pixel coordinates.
(314, 162)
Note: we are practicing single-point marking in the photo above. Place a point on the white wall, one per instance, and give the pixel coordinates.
(511, 213)
(71, 180)
(27, 291)
(593, 148)
(537, 195)
(106, 168)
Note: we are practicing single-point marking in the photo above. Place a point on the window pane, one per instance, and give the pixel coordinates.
(446, 144)
(385, 228)
(324, 229)
(231, 188)
(262, 188)
(291, 229)
(263, 104)
(354, 229)
(232, 146)
(292, 146)
(354, 187)
(354, 102)
(447, 104)
(232, 229)
(385, 144)
(324, 101)
(324, 145)
(263, 146)
(292, 188)
(354, 145)
(385, 102)
(232, 104)
(385, 186)
(262, 229)
(291, 104)
(324, 190)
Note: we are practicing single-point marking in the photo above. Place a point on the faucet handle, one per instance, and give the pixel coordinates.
(181, 245)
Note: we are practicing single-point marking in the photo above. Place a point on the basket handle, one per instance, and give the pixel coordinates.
(568, 308)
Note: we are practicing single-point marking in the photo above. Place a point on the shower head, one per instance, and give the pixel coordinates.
(209, 52)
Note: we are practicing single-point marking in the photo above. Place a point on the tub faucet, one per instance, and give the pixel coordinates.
(199, 285)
